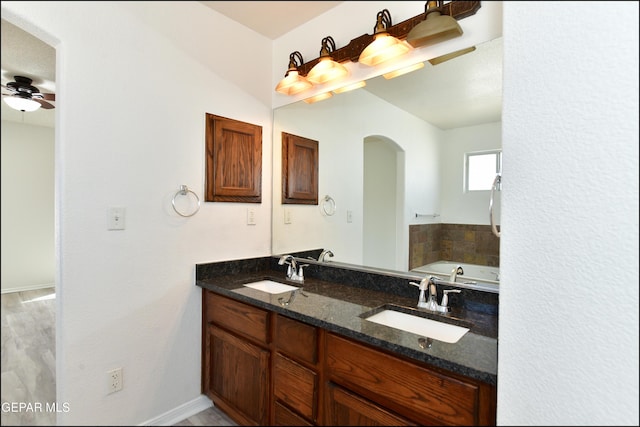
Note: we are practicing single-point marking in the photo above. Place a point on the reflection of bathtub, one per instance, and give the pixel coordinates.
(472, 272)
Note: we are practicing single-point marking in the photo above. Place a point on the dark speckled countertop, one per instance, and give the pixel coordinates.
(337, 307)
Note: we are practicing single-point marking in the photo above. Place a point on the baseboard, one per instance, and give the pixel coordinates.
(28, 288)
(180, 413)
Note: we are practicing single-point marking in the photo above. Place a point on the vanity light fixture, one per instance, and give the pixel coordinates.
(21, 103)
(318, 97)
(384, 46)
(327, 69)
(402, 71)
(293, 82)
(350, 87)
(435, 28)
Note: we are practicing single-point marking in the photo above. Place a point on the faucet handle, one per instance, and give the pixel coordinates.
(445, 297)
(301, 271)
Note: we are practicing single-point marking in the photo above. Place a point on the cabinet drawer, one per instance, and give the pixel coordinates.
(248, 320)
(414, 391)
(297, 339)
(284, 417)
(295, 386)
(347, 409)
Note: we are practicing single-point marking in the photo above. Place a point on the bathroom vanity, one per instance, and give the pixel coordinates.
(305, 353)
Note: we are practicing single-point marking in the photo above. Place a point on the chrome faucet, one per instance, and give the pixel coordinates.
(295, 272)
(431, 303)
(325, 253)
(455, 272)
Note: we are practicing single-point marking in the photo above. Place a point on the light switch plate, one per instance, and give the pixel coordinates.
(115, 218)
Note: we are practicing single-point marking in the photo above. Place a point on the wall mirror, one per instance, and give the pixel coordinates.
(391, 157)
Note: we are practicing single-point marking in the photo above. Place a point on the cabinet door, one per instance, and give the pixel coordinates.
(238, 377)
(347, 409)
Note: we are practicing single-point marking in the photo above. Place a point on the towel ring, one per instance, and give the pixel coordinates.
(494, 187)
(328, 205)
(184, 190)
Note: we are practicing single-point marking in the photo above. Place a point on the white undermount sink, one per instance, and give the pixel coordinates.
(271, 287)
(419, 325)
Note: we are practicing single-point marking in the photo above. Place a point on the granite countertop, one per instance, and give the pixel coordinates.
(338, 308)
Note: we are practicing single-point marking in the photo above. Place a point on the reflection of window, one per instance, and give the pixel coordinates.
(481, 169)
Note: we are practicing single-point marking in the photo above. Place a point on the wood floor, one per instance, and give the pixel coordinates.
(28, 363)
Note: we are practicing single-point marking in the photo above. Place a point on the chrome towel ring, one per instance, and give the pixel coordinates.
(184, 191)
(496, 182)
(328, 205)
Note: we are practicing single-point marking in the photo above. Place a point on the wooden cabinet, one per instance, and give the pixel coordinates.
(295, 371)
(236, 359)
(263, 368)
(348, 409)
(411, 390)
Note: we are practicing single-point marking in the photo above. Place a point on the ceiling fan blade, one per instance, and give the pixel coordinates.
(44, 104)
(49, 96)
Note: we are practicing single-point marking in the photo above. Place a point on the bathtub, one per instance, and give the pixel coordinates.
(472, 272)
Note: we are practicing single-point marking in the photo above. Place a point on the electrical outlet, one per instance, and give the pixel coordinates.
(114, 378)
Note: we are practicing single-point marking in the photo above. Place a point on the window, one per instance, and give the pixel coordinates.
(482, 168)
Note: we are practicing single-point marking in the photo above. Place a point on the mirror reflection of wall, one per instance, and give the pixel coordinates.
(357, 127)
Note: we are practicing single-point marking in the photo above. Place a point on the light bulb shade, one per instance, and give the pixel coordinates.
(326, 70)
(383, 48)
(350, 87)
(403, 71)
(318, 97)
(21, 104)
(293, 83)
(436, 28)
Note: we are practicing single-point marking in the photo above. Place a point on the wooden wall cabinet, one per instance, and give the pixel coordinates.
(263, 368)
(299, 170)
(233, 160)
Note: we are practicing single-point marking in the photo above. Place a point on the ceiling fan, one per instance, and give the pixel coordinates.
(23, 96)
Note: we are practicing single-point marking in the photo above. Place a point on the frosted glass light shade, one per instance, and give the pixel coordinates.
(293, 83)
(403, 71)
(327, 70)
(318, 97)
(21, 104)
(383, 48)
(436, 28)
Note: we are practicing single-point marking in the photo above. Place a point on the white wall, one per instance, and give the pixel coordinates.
(28, 252)
(126, 137)
(569, 246)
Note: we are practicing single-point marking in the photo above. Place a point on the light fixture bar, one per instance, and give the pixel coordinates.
(459, 9)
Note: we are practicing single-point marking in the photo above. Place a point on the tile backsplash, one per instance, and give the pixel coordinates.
(468, 243)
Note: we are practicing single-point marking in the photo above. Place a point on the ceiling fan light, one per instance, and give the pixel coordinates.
(436, 28)
(21, 104)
